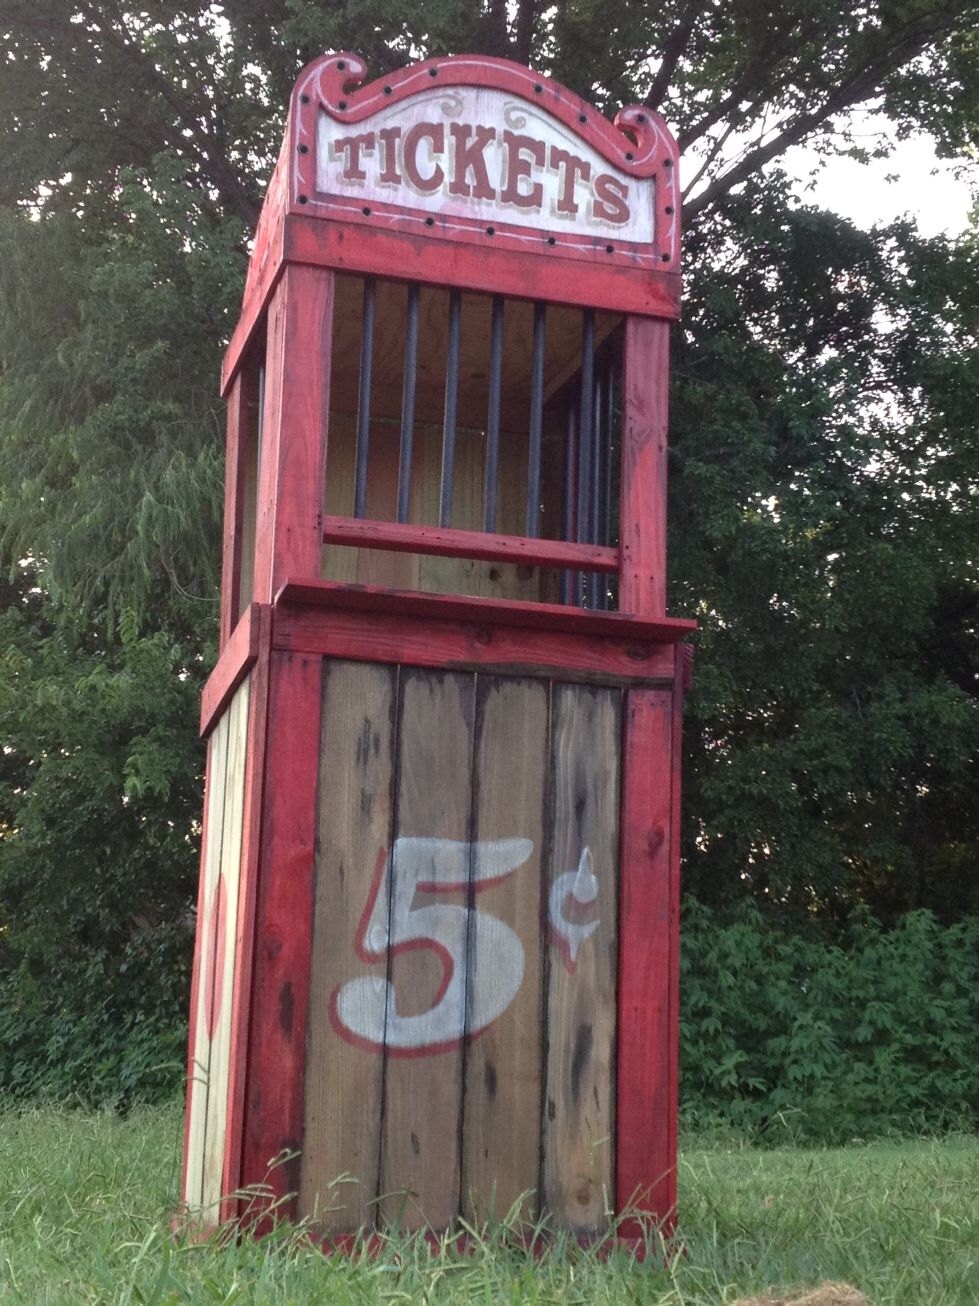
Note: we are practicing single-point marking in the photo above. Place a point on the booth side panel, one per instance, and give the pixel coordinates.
(215, 960)
(344, 1072)
(579, 1115)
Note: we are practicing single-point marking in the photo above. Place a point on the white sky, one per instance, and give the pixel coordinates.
(912, 180)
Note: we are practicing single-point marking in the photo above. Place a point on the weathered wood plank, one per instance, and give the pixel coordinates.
(284, 912)
(343, 1072)
(425, 1017)
(642, 511)
(645, 1171)
(578, 1117)
(226, 928)
(501, 1109)
(204, 958)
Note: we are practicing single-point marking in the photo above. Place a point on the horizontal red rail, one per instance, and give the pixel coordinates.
(446, 542)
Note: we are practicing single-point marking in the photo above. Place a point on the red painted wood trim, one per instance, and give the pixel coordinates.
(367, 636)
(431, 261)
(449, 543)
(291, 482)
(681, 683)
(234, 467)
(642, 518)
(594, 281)
(645, 1131)
(232, 1180)
(273, 1107)
(236, 660)
(497, 612)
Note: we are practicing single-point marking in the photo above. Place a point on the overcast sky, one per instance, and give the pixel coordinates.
(912, 180)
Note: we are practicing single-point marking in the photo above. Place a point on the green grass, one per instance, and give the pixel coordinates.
(85, 1202)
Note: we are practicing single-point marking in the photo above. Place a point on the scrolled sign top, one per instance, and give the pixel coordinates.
(475, 149)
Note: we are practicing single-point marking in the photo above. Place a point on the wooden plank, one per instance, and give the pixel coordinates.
(247, 894)
(503, 612)
(501, 1110)
(445, 542)
(264, 267)
(236, 452)
(589, 283)
(425, 1018)
(280, 987)
(504, 650)
(226, 929)
(344, 1075)
(642, 515)
(236, 660)
(198, 1072)
(645, 1177)
(297, 396)
(579, 1108)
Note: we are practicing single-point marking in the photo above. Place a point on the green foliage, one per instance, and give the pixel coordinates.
(797, 1035)
(97, 856)
(824, 519)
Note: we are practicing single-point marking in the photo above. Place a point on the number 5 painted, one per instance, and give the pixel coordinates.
(366, 1010)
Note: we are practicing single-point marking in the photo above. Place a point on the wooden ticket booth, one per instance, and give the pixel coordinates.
(436, 966)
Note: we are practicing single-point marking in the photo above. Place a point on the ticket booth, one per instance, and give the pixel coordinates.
(437, 951)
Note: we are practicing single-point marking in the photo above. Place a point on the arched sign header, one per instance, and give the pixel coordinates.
(482, 149)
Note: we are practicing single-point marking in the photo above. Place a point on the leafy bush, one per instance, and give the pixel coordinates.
(830, 1039)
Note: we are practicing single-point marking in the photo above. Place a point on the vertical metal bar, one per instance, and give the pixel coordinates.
(536, 421)
(451, 397)
(364, 397)
(609, 420)
(493, 415)
(408, 405)
(261, 418)
(585, 424)
(595, 580)
(569, 580)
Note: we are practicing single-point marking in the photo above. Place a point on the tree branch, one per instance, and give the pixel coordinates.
(524, 31)
(673, 52)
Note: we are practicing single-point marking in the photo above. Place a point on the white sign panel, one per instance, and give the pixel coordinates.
(485, 155)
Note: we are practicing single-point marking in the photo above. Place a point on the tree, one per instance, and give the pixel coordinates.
(824, 453)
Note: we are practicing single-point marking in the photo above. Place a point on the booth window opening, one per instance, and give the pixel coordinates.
(480, 432)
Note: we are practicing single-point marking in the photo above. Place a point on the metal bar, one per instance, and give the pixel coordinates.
(598, 455)
(586, 419)
(364, 397)
(493, 415)
(536, 421)
(568, 579)
(408, 405)
(604, 535)
(451, 404)
(260, 425)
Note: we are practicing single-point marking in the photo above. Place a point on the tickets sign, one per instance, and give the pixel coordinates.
(478, 146)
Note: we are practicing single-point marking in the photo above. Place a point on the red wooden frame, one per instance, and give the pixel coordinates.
(296, 619)
(237, 658)
(298, 225)
(237, 452)
(261, 621)
(447, 542)
(291, 480)
(274, 1080)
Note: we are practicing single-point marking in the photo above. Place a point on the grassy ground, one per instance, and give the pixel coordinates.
(85, 1201)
